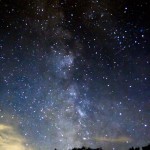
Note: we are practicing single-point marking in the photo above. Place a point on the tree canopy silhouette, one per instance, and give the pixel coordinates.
(132, 148)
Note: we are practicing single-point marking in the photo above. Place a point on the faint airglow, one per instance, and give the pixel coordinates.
(121, 139)
(10, 139)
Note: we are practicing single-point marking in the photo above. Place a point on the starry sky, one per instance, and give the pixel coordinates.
(74, 73)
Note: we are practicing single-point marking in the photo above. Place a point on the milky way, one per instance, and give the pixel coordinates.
(74, 73)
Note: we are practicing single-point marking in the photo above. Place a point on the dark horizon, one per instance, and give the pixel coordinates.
(146, 147)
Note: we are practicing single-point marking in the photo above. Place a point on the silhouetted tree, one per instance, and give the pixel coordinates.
(84, 148)
(146, 147)
(88, 148)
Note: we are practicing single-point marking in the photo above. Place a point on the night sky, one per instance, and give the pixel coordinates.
(74, 73)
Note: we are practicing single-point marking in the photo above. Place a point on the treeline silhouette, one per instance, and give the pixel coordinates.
(132, 148)
(143, 148)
